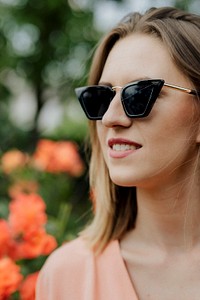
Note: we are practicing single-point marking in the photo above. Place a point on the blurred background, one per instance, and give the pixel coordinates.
(45, 52)
(46, 46)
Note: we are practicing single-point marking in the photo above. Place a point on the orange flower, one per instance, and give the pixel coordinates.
(12, 160)
(27, 219)
(27, 213)
(23, 186)
(66, 159)
(58, 157)
(27, 289)
(33, 245)
(39, 243)
(10, 277)
(5, 237)
(43, 154)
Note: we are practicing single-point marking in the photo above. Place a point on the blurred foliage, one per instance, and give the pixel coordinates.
(188, 5)
(183, 4)
(47, 43)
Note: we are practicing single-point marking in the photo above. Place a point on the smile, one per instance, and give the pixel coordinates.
(123, 147)
(120, 147)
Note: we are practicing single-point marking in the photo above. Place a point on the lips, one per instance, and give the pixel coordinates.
(123, 144)
(122, 147)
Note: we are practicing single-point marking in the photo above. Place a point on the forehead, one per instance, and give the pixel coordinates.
(138, 56)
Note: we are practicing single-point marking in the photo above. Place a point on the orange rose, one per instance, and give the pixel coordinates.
(5, 237)
(12, 160)
(67, 159)
(23, 186)
(27, 289)
(43, 154)
(27, 213)
(33, 245)
(55, 157)
(39, 243)
(10, 277)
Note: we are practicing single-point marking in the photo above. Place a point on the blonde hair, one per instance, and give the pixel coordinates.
(116, 206)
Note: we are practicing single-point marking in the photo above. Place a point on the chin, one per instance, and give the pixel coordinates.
(123, 181)
(132, 180)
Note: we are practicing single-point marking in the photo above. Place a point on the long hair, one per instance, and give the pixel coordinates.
(179, 31)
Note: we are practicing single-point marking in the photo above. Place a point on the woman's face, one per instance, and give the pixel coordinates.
(159, 148)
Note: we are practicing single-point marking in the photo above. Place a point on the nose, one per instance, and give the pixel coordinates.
(115, 114)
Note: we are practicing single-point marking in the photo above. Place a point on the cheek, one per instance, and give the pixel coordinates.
(185, 122)
(178, 114)
(170, 130)
(176, 131)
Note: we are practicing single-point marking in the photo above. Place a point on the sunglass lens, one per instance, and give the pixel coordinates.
(95, 100)
(138, 98)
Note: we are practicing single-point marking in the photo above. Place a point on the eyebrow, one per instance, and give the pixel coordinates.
(105, 83)
(136, 79)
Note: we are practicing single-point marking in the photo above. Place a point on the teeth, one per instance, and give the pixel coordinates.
(123, 147)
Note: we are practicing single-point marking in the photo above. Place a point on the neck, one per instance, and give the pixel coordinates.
(169, 217)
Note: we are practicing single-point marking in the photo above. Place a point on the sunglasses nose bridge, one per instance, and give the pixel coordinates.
(115, 114)
(116, 88)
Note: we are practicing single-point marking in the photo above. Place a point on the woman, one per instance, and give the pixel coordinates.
(143, 103)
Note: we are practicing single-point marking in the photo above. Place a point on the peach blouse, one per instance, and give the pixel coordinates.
(73, 272)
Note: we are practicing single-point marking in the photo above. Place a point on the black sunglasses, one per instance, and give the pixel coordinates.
(137, 97)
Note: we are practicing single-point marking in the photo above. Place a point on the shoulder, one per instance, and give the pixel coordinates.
(70, 254)
(75, 257)
(64, 270)
(72, 270)
(77, 252)
(77, 246)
